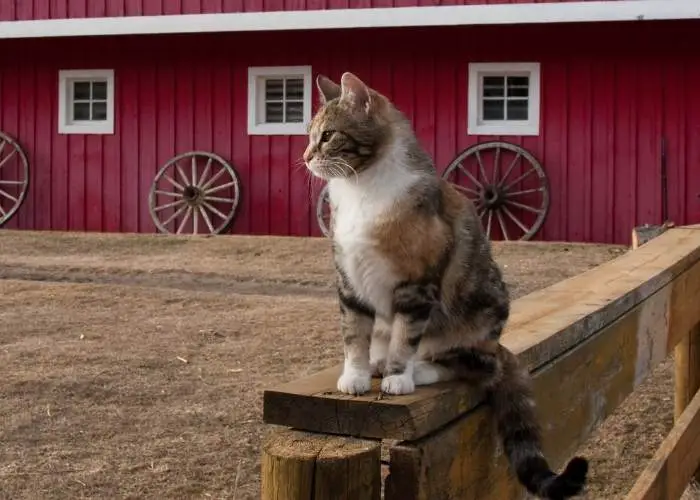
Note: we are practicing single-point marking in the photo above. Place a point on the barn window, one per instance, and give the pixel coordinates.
(86, 102)
(279, 100)
(504, 99)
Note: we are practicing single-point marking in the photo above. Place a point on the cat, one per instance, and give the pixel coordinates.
(421, 298)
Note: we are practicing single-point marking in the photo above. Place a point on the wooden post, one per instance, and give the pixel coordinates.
(687, 370)
(307, 466)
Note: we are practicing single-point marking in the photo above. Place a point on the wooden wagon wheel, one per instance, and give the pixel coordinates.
(195, 192)
(14, 177)
(323, 211)
(497, 177)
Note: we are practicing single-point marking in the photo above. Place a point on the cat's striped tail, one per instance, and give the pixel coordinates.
(508, 390)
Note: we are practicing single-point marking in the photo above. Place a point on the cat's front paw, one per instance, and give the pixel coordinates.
(377, 366)
(398, 384)
(354, 382)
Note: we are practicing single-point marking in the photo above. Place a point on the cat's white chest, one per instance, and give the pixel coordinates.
(369, 272)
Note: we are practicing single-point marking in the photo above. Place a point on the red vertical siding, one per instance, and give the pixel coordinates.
(17, 10)
(605, 110)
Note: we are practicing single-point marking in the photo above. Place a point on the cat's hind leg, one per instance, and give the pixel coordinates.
(426, 373)
(412, 305)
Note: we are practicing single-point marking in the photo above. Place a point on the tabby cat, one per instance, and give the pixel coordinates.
(421, 298)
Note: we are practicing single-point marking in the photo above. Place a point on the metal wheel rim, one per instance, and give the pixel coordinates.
(323, 202)
(482, 195)
(199, 193)
(9, 149)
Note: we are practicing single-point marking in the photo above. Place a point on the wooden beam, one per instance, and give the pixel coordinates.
(304, 466)
(543, 326)
(574, 395)
(674, 463)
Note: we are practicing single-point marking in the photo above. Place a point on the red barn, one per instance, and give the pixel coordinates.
(569, 120)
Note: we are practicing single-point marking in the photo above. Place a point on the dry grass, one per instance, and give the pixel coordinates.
(134, 365)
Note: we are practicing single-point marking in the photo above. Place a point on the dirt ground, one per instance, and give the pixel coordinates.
(133, 366)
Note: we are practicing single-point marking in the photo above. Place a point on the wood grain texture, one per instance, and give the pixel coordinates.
(302, 466)
(574, 395)
(675, 462)
(687, 370)
(544, 325)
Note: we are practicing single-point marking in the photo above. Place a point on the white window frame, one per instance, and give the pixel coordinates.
(256, 104)
(66, 125)
(477, 126)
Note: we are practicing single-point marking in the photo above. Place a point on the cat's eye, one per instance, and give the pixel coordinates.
(326, 135)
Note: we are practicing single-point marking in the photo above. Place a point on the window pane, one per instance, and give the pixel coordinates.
(493, 109)
(81, 90)
(274, 89)
(81, 111)
(518, 86)
(295, 89)
(494, 86)
(99, 110)
(517, 109)
(274, 112)
(295, 112)
(99, 90)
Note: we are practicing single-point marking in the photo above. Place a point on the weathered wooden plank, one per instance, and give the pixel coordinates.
(687, 370)
(303, 466)
(543, 325)
(574, 395)
(676, 460)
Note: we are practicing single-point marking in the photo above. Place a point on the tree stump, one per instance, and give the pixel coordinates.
(300, 465)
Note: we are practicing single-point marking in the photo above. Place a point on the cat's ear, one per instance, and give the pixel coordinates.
(327, 88)
(355, 91)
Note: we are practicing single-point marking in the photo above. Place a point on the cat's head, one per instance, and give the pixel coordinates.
(350, 131)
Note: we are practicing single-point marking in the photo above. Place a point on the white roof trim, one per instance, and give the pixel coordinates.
(460, 15)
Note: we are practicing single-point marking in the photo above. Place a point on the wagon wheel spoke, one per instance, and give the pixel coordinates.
(175, 184)
(471, 177)
(525, 191)
(481, 166)
(522, 177)
(495, 193)
(8, 196)
(512, 217)
(218, 188)
(191, 179)
(168, 205)
(467, 190)
(184, 219)
(168, 193)
(205, 174)
(206, 218)
(503, 225)
(509, 169)
(524, 207)
(496, 164)
(2, 211)
(4, 161)
(213, 209)
(11, 183)
(175, 215)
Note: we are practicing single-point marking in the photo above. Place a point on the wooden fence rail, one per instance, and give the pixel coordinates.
(589, 341)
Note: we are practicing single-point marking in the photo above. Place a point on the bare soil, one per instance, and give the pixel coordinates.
(133, 365)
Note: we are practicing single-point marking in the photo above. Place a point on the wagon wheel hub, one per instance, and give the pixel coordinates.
(193, 195)
(492, 197)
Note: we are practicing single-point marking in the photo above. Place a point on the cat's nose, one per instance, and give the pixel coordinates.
(308, 155)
